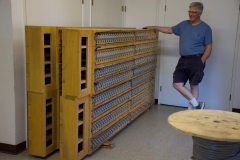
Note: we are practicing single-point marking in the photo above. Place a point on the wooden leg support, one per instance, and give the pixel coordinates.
(108, 145)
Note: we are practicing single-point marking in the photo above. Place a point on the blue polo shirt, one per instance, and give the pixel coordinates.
(192, 38)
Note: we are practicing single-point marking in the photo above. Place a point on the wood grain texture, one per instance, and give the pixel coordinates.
(35, 58)
(69, 123)
(37, 123)
(208, 124)
(72, 61)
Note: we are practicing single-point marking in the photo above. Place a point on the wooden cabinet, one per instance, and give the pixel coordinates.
(41, 46)
(101, 79)
(74, 130)
(111, 73)
(43, 65)
(42, 123)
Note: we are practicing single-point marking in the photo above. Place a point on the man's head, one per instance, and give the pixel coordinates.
(195, 11)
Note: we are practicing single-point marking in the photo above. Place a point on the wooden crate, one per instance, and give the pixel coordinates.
(40, 58)
(78, 53)
(105, 100)
(42, 123)
(74, 127)
(77, 63)
(44, 73)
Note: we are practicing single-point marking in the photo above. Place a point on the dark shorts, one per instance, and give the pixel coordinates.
(189, 69)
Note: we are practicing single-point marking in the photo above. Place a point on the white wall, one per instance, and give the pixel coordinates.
(106, 13)
(215, 88)
(141, 13)
(19, 69)
(7, 95)
(86, 13)
(54, 12)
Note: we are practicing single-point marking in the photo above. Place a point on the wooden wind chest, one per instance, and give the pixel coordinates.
(103, 79)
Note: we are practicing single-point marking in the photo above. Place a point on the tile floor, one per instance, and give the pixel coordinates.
(149, 137)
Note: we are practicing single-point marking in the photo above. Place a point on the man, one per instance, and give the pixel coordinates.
(195, 47)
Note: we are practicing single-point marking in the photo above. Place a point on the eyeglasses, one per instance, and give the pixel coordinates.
(192, 12)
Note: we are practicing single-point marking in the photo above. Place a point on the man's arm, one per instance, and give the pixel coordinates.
(207, 52)
(167, 30)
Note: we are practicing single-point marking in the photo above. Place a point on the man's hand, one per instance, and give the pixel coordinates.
(207, 52)
(148, 27)
(167, 30)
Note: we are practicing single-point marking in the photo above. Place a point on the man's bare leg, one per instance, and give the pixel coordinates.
(195, 92)
(187, 93)
(180, 87)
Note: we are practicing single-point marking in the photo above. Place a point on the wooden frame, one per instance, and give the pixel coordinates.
(42, 122)
(73, 63)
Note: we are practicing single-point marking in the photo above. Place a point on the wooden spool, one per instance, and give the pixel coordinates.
(208, 124)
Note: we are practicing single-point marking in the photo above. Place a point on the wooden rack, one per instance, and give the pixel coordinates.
(91, 82)
(117, 69)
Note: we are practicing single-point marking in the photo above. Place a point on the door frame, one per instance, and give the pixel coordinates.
(235, 63)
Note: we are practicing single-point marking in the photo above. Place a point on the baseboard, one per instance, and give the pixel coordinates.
(156, 101)
(13, 149)
(236, 110)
